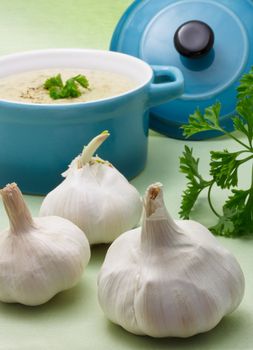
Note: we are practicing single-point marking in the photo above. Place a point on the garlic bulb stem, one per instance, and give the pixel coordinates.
(19, 216)
(151, 195)
(91, 148)
(156, 217)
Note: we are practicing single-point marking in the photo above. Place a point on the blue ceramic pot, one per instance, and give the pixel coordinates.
(38, 141)
(210, 41)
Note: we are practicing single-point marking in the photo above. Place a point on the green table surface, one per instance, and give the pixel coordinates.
(73, 319)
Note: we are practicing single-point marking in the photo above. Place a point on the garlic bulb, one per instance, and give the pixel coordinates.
(168, 278)
(39, 257)
(95, 196)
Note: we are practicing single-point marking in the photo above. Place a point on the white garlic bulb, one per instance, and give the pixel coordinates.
(39, 257)
(168, 278)
(95, 196)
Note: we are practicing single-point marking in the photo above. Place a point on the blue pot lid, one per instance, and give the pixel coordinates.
(159, 32)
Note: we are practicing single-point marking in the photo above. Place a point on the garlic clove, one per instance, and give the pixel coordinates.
(95, 196)
(168, 278)
(39, 257)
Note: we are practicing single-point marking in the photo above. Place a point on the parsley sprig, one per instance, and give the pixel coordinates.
(70, 89)
(236, 218)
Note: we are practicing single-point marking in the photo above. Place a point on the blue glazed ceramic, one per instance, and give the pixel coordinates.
(165, 32)
(38, 141)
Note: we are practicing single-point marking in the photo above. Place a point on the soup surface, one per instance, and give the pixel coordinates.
(28, 86)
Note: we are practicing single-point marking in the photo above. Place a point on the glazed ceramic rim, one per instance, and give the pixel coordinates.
(136, 65)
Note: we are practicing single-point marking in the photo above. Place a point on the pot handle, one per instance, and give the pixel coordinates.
(168, 84)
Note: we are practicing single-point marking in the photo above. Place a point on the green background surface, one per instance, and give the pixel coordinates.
(73, 319)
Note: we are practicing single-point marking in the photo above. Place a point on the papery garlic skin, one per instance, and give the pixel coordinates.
(96, 197)
(168, 278)
(39, 257)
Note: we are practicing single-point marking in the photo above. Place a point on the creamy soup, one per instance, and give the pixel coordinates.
(28, 86)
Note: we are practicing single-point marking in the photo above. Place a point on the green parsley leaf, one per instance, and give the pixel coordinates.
(199, 122)
(82, 80)
(239, 125)
(55, 92)
(54, 81)
(189, 166)
(237, 211)
(237, 218)
(70, 89)
(245, 111)
(225, 226)
(224, 168)
(245, 89)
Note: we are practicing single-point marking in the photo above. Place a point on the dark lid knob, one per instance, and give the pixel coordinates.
(194, 39)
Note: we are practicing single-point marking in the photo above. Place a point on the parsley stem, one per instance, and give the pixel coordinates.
(236, 139)
(251, 188)
(210, 201)
(248, 206)
(246, 159)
